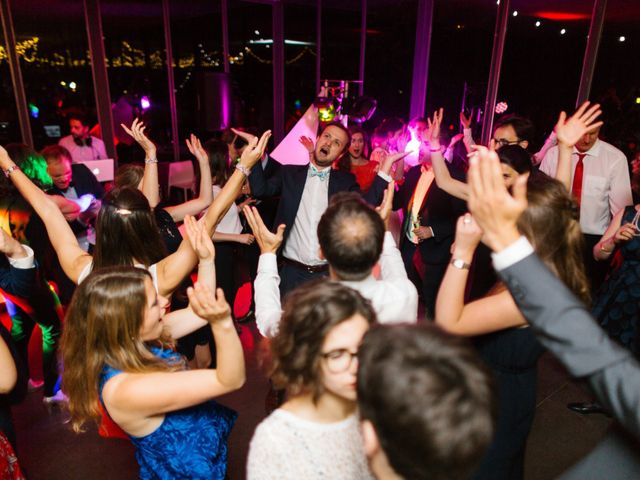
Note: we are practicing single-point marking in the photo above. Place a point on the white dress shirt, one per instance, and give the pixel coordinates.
(81, 154)
(606, 187)
(394, 297)
(24, 263)
(302, 243)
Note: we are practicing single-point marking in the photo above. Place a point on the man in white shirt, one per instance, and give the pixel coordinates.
(353, 238)
(601, 186)
(80, 144)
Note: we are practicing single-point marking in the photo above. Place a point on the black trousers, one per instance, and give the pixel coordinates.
(596, 270)
(292, 276)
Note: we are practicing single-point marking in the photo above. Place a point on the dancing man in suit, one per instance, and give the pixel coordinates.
(304, 192)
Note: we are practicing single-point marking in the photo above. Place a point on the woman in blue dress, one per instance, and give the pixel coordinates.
(617, 304)
(117, 356)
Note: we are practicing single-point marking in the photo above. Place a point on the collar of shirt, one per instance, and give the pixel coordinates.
(594, 151)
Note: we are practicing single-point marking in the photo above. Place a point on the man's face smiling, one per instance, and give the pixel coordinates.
(330, 144)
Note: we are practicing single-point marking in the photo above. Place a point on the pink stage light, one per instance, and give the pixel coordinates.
(145, 103)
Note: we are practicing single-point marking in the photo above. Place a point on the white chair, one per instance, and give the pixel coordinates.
(182, 177)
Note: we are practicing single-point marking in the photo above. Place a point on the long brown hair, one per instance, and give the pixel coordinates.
(550, 223)
(126, 231)
(102, 327)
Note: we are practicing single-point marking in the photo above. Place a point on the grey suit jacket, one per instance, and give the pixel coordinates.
(567, 329)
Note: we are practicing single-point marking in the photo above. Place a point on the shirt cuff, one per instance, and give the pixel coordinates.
(267, 263)
(515, 252)
(25, 262)
(385, 177)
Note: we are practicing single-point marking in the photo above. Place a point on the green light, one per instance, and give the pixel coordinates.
(35, 167)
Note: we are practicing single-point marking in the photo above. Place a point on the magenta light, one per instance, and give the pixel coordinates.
(145, 103)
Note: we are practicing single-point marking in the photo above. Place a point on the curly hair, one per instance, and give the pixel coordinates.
(310, 312)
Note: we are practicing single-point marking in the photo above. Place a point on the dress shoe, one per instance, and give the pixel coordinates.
(247, 317)
(586, 408)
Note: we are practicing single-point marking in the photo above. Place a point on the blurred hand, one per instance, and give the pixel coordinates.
(268, 241)
(625, 233)
(570, 130)
(254, 150)
(199, 239)
(384, 209)
(213, 308)
(195, 147)
(468, 235)
(137, 132)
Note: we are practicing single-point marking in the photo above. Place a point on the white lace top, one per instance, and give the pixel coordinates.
(285, 446)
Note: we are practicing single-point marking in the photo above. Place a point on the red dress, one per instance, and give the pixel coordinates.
(9, 467)
(365, 174)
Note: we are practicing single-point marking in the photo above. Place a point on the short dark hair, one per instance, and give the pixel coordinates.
(341, 127)
(522, 126)
(429, 399)
(310, 312)
(389, 125)
(218, 153)
(351, 234)
(55, 153)
(82, 117)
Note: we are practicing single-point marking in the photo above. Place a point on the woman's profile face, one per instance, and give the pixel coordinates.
(155, 306)
(339, 363)
(357, 145)
(509, 175)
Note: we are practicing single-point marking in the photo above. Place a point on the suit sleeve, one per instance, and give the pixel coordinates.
(261, 187)
(567, 329)
(376, 192)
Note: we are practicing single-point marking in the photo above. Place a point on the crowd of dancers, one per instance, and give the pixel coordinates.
(370, 264)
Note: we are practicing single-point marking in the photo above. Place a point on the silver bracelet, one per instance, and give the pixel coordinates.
(241, 168)
(150, 160)
(9, 170)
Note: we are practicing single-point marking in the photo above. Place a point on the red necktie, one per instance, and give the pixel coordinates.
(576, 188)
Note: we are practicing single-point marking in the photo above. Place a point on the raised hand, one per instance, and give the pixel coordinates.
(493, 208)
(195, 147)
(307, 143)
(137, 133)
(254, 150)
(213, 308)
(268, 241)
(384, 209)
(199, 240)
(465, 121)
(249, 137)
(468, 235)
(432, 134)
(570, 130)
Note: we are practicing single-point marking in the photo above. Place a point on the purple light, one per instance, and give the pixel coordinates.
(145, 103)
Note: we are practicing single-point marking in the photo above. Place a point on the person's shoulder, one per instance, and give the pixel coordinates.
(64, 141)
(611, 151)
(97, 140)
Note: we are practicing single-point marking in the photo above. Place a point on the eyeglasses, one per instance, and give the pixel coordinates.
(339, 360)
(504, 142)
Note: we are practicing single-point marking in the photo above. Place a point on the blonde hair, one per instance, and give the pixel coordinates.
(102, 327)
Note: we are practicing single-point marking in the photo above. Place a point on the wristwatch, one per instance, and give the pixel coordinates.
(460, 264)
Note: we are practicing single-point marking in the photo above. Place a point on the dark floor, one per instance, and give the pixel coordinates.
(49, 450)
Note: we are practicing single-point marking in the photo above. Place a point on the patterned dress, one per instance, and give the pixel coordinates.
(617, 305)
(189, 444)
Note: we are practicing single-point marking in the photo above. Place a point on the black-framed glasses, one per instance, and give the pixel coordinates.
(339, 360)
(503, 142)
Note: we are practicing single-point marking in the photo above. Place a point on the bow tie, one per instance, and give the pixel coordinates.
(322, 175)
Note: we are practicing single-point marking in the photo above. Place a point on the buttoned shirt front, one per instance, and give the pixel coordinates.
(606, 188)
(302, 244)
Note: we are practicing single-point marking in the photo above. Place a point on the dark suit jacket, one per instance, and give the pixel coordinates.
(16, 281)
(439, 210)
(84, 181)
(568, 330)
(268, 206)
(289, 183)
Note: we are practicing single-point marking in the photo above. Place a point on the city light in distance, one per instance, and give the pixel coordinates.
(622, 38)
(563, 31)
(515, 13)
(538, 23)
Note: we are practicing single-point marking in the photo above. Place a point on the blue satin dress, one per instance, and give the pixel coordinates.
(189, 444)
